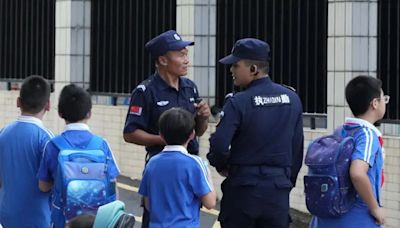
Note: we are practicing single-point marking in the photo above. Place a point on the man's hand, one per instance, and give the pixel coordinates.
(224, 173)
(378, 214)
(203, 111)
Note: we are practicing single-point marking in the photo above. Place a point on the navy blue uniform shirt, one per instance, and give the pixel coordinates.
(260, 126)
(154, 96)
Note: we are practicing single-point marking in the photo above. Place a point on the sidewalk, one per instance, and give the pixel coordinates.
(128, 189)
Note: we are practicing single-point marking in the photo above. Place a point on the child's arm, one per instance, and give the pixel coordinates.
(362, 184)
(113, 188)
(146, 203)
(209, 199)
(45, 186)
(47, 166)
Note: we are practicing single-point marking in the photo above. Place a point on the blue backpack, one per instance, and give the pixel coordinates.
(83, 182)
(328, 189)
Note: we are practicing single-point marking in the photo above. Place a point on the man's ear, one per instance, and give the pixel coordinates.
(162, 60)
(254, 69)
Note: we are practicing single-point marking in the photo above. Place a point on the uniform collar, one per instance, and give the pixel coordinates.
(266, 79)
(363, 123)
(76, 127)
(175, 148)
(162, 85)
(30, 119)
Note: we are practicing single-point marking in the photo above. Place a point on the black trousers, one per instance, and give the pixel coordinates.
(255, 197)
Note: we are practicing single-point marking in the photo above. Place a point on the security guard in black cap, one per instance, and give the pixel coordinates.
(165, 89)
(258, 143)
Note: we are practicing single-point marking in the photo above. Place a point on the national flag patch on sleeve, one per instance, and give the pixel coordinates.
(135, 110)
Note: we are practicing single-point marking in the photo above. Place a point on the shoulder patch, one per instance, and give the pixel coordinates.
(270, 100)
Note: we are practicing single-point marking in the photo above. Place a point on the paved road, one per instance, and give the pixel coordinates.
(128, 189)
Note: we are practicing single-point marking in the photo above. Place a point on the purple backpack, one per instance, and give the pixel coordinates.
(328, 189)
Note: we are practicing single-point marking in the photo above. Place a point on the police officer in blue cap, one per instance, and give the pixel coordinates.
(165, 89)
(258, 143)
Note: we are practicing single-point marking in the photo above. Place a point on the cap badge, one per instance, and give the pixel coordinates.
(176, 36)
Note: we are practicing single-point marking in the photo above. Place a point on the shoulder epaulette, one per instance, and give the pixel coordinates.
(289, 87)
(143, 84)
(228, 95)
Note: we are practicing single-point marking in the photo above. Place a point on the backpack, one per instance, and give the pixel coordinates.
(328, 189)
(82, 183)
(113, 215)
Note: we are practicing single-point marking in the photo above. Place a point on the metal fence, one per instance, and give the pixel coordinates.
(389, 55)
(295, 29)
(119, 32)
(26, 39)
(297, 33)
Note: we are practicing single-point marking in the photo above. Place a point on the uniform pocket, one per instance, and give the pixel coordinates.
(283, 183)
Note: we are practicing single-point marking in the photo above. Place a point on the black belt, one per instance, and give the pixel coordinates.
(258, 169)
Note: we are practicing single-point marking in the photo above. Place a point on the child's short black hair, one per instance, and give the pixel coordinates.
(81, 221)
(34, 94)
(176, 125)
(74, 103)
(360, 91)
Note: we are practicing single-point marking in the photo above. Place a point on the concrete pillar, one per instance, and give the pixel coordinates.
(196, 20)
(352, 50)
(72, 51)
(72, 48)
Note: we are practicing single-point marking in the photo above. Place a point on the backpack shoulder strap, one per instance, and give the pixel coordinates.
(350, 133)
(96, 142)
(61, 143)
(338, 131)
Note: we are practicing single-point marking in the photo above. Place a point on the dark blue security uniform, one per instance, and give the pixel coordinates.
(259, 141)
(154, 96)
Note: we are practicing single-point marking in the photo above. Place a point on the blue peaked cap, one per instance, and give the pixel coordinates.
(167, 41)
(248, 48)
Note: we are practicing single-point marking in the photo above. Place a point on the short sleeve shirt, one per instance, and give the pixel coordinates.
(22, 145)
(175, 198)
(153, 97)
(368, 149)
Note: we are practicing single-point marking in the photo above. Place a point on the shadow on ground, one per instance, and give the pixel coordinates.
(300, 219)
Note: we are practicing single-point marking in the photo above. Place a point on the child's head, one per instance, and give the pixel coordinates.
(34, 95)
(81, 221)
(176, 126)
(74, 104)
(364, 94)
